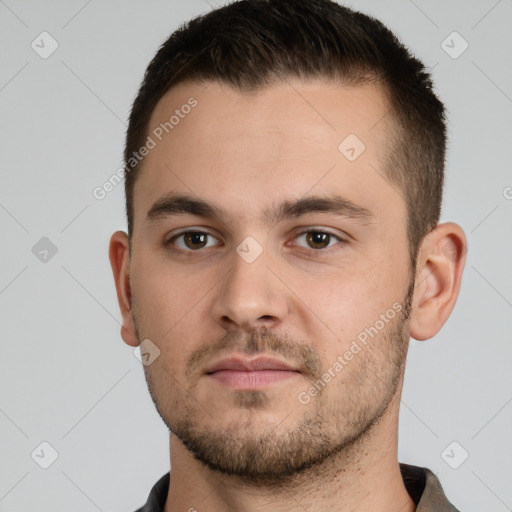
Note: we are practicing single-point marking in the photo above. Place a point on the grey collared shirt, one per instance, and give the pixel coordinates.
(422, 485)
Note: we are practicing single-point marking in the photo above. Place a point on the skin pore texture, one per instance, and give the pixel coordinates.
(314, 281)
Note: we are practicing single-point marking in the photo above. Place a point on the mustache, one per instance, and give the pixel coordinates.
(261, 341)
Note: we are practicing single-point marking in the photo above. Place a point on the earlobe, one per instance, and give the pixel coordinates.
(119, 255)
(440, 266)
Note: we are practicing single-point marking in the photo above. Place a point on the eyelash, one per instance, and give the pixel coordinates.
(312, 252)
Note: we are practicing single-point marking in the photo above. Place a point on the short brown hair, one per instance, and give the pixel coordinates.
(250, 44)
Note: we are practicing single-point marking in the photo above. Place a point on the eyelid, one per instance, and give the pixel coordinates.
(319, 229)
(170, 240)
(304, 230)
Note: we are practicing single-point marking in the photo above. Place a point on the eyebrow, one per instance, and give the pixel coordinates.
(173, 204)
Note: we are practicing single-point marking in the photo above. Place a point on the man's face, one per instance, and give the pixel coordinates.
(303, 287)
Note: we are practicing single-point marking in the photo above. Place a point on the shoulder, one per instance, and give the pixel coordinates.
(157, 496)
(425, 489)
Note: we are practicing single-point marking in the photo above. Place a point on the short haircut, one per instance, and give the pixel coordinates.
(253, 44)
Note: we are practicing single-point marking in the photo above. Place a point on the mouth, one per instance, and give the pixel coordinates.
(257, 373)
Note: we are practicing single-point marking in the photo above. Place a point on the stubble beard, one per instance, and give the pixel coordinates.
(332, 427)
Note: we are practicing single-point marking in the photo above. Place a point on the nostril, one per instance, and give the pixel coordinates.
(228, 320)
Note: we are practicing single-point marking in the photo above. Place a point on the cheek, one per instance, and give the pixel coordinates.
(164, 295)
(351, 301)
(166, 387)
(170, 311)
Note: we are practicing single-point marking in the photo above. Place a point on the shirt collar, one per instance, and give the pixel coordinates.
(422, 485)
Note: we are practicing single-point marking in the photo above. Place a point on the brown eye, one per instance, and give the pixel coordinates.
(193, 240)
(318, 239)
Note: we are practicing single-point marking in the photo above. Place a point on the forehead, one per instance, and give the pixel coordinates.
(250, 150)
(322, 112)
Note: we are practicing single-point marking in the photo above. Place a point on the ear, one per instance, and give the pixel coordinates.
(440, 265)
(119, 254)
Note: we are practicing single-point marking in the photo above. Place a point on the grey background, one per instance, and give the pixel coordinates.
(67, 378)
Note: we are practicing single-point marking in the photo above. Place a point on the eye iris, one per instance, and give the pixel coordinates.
(195, 240)
(318, 240)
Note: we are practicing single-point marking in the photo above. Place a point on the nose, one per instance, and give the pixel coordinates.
(250, 297)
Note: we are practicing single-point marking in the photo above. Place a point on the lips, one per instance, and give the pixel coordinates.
(241, 373)
(250, 365)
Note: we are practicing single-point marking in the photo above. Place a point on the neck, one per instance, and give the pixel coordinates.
(365, 476)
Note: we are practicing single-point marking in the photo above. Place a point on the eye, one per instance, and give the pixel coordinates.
(192, 240)
(318, 239)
